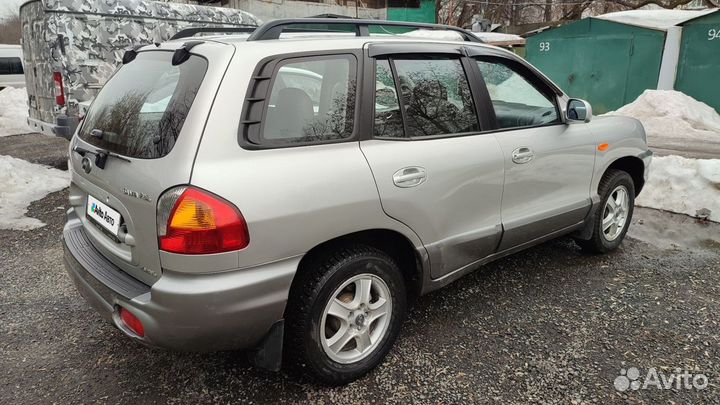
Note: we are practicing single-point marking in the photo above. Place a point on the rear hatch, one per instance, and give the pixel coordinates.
(146, 123)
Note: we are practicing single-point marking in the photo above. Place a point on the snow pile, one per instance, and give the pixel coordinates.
(21, 183)
(493, 37)
(670, 116)
(13, 111)
(435, 34)
(683, 186)
(655, 19)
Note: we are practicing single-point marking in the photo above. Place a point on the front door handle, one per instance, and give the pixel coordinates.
(522, 155)
(409, 177)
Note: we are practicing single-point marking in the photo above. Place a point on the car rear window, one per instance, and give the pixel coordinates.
(140, 111)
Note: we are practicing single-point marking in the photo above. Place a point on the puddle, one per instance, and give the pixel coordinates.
(666, 230)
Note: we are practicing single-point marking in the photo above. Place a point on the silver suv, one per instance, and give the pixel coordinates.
(290, 190)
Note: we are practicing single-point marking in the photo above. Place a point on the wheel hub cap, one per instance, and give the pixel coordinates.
(360, 321)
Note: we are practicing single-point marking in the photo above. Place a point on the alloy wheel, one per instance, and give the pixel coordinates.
(356, 318)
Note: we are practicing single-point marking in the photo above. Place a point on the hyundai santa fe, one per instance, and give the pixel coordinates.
(289, 191)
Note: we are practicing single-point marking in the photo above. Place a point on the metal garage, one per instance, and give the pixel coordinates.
(698, 73)
(611, 59)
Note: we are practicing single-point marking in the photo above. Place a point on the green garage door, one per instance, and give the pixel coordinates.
(699, 66)
(606, 63)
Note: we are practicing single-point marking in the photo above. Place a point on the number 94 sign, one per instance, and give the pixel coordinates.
(713, 34)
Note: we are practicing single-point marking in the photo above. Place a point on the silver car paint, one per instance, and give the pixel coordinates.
(139, 255)
(456, 211)
(294, 199)
(287, 196)
(198, 312)
(552, 188)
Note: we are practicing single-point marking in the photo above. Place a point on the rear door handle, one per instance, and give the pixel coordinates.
(522, 155)
(409, 177)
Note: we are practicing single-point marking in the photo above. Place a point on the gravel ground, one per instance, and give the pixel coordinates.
(549, 325)
(37, 148)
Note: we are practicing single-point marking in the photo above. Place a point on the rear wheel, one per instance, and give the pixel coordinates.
(612, 219)
(344, 313)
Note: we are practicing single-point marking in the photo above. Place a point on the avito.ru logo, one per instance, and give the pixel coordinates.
(680, 379)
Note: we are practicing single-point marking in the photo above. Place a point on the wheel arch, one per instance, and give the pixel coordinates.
(392, 242)
(633, 166)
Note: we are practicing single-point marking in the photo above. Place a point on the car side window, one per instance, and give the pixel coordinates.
(10, 66)
(424, 97)
(517, 101)
(388, 118)
(312, 99)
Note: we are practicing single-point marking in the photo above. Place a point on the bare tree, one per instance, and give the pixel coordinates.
(10, 29)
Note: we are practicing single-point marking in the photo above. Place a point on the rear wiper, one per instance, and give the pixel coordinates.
(101, 156)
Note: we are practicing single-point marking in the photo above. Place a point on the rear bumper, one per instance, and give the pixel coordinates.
(63, 127)
(204, 312)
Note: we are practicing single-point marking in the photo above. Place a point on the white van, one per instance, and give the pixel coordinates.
(11, 67)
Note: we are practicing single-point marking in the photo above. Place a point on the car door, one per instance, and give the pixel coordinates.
(434, 169)
(548, 163)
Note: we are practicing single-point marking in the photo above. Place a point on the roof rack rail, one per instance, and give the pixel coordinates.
(273, 29)
(189, 32)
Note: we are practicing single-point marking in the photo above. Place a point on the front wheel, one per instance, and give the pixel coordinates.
(612, 218)
(344, 313)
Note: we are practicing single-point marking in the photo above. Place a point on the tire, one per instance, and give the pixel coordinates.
(311, 321)
(606, 240)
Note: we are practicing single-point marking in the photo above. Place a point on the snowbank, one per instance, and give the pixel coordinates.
(671, 117)
(13, 111)
(683, 186)
(678, 184)
(21, 183)
(492, 37)
(655, 19)
(439, 35)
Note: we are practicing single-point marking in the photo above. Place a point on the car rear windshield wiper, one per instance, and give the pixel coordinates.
(101, 156)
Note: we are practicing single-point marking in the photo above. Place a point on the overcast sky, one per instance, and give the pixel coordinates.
(8, 6)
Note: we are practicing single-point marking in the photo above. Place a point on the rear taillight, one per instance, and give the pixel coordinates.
(132, 322)
(59, 91)
(193, 221)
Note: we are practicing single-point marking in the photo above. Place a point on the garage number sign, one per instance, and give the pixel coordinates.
(544, 46)
(713, 34)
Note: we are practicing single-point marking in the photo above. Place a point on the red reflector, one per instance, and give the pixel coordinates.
(59, 90)
(202, 223)
(132, 322)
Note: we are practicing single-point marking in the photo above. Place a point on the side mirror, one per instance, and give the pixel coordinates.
(578, 111)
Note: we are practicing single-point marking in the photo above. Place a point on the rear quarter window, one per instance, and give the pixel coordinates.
(141, 110)
(308, 100)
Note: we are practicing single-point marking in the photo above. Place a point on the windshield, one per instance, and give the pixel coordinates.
(140, 111)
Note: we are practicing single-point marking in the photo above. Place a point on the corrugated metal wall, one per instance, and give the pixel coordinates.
(698, 72)
(609, 64)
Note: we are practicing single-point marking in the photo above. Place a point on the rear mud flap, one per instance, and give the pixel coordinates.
(268, 355)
